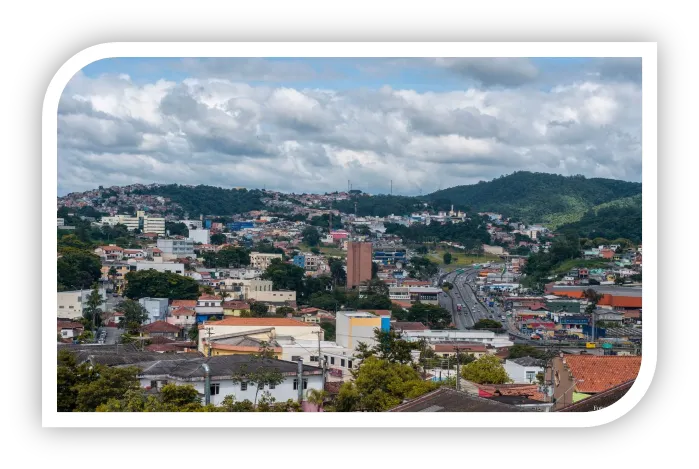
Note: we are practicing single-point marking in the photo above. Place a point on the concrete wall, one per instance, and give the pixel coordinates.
(71, 303)
(518, 373)
(156, 307)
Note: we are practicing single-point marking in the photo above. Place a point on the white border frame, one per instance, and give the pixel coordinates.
(646, 50)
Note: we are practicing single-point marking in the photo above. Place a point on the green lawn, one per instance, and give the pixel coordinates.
(325, 250)
(463, 259)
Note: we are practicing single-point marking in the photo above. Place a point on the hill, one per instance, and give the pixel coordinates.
(538, 197)
(209, 200)
(610, 221)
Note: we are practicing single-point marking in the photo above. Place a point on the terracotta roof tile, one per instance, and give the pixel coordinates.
(183, 312)
(209, 297)
(599, 373)
(160, 326)
(183, 303)
(234, 321)
(442, 348)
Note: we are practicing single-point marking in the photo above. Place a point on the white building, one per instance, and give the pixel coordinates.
(339, 360)
(176, 248)
(485, 337)
(261, 328)
(262, 260)
(200, 236)
(141, 221)
(196, 224)
(222, 367)
(524, 369)
(157, 308)
(172, 267)
(353, 327)
(60, 222)
(71, 303)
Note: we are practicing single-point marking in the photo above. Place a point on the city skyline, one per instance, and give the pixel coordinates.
(309, 125)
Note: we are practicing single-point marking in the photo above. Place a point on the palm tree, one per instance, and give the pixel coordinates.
(316, 397)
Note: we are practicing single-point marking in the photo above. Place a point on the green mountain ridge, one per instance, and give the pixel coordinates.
(539, 197)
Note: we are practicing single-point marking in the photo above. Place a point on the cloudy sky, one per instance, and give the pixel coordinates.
(310, 125)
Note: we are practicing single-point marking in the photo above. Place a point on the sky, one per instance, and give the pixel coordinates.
(312, 125)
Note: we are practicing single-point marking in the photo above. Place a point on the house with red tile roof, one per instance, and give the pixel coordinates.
(160, 328)
(69, 329)
(189, 304)
(182, 317)
(400, 326)
(449, 349)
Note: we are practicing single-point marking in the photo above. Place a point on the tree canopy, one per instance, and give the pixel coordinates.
(77, 269)
(486, 370)
(434, 316)
(151, 283)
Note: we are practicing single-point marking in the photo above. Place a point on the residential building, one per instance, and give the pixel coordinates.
(262, 260)
(428, 295)
(353, 327)
(189, 370)
(359, 263)
(176, 304)
(449, 336)
(176, 248)
(270, 327)
(400, 326)
(577, 377)
(600, 400)
(399, 293)
(196, 224)
(157, 308)
(160, 329)
(234, 308)
(448, 350)
(208, 306)
(200, 236)
(69, 329)
(71, 303)
(154, 225)
(141, 221)
(446, 399)
(524, 369)
(387, 254)
(110, 253)
(184, 318)
(308, 261)
(172, 267)
(240, 343)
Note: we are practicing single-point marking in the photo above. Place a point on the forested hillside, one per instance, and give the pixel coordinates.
(538, 197)
(209, 200)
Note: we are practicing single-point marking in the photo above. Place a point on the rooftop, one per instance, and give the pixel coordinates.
(186, 368)
(599, 373)
(279, 322)
(448, 400)
(160, 326)
(600, 400)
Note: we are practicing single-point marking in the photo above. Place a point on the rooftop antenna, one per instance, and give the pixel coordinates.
(348, 185)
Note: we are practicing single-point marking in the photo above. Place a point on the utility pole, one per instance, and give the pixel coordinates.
(391, 186)
(299, 377)
(319, 353)
(458, 375)
(207, 384)
(208, 340)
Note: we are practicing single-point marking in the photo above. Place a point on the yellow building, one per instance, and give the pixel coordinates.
(234, 308)
(240, 345)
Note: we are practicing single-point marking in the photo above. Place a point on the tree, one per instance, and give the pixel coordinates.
(380, 385)
(151, 283)
(92, 310)
(486, 370)
(134, 315)
(77, 270)
(337, 271)
(316, 397)
(261, 371)
(375, 286)
(389, 346)
(329, 328)
(619, 281)
(447, 258)
(104, 384)
(218, 239)
(227, 257)
(374, 270)
(422, 268)
(176, 229)
(592, 298)
(521, 350)
(315, 250)
(310, 236)
(285, 276)
(284, 310)
(422, 250)
(259, 309)
(434, 316)
(487, 324)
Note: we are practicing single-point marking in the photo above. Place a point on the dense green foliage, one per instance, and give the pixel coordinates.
(151, 283)
(532, 197)
(379, 205)
(434, 316)
(487, 324)
(228, 257)
(134, 315)
(540, 265)
(422, 268)
(389, 346)
(311, 237)
(486, 370)
(470, 233)
(329, 328)
(611, 223)
(77, 269)
(209, 200)
(521, 350)
(176, 228)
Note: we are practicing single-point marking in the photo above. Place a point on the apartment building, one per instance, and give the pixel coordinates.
(358, 263)
(71, 303)
(176, 248)
(262, 260)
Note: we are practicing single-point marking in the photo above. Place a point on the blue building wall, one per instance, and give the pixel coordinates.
(239, 225)
(299, 260)
(207, 223)
(385, 323)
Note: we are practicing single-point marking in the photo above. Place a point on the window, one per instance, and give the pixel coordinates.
(325, 357)
(531, 375)
(70, 307)
(214, 389)
(272, 386)
(154, 384)
(349, 364)
(342, 362)
(332, 360)
(314, 358)
(296, 384)
(244, 386)
(60, 307)
(295, 358)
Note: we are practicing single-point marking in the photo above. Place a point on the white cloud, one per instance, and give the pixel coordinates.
(210, 129)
